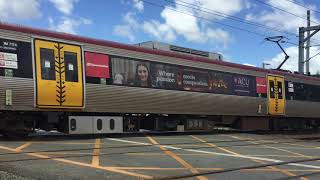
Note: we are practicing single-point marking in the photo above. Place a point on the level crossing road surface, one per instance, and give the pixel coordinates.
(197, 156)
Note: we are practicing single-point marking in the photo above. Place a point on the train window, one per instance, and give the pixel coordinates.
(272, 93)
(315, 93)
(300, 92)
(99, 124)
(280, 90)
(47, 64)
(71, 66)
(112, 124)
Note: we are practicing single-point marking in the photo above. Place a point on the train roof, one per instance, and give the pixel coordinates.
(72, 37)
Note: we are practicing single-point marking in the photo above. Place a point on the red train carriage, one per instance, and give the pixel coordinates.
(79, 85)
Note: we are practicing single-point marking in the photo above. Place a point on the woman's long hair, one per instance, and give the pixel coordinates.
(137, 78)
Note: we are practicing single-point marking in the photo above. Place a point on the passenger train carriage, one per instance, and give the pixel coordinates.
(78, 85)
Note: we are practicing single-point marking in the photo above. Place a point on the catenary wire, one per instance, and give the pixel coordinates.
(317, 54)
(268, 4)
(302, 5)
(228, 16)
(210, 21)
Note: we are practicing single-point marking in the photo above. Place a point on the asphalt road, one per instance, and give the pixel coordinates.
(221, 156)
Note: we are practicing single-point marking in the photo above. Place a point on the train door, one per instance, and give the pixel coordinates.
(276, 95)
(59, 75)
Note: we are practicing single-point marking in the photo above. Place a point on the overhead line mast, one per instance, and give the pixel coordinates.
(302, 41)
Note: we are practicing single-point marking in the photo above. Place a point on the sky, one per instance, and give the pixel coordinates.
(234, 28)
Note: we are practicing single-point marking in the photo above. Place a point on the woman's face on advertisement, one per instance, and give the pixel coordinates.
(143, 73)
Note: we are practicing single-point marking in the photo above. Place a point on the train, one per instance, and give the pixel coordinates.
(79, 85)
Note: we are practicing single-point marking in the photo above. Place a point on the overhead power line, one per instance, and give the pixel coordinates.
(317, 54)
(210, 21)
(302, 5)
(268, 4)
(206, 19)
(228, 16)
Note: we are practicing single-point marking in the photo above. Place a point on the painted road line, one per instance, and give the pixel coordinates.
(161, 154)
(166, 169)
(301, 145)
(177, 158)
(96, 153)
(274, 155)
(281, 170)
(276, 148)
(229, 155)
(235, 153)
(45, 157)
(20, 148)
(127, 141)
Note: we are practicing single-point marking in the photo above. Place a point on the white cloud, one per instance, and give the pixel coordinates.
(68, 25)
(17, 9)
(159, 31)
(229, 7)
(292, 62)
(128, 28)
(182, 24)
(283, 20)
(180, 19)
(218, 35)
(138, 4)
(64, 6)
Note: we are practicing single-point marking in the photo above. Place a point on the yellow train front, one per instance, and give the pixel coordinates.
(56, 81)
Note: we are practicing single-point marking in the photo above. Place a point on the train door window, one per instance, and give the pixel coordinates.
(71, 66)
(280, 93)
(272, 93)
(47, 64)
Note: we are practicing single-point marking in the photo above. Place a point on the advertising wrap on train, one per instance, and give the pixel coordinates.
(164, 76)
(97, 65)
(193, 80)
(220, 83)
(244, 85)
(132, 72)
(261, 85)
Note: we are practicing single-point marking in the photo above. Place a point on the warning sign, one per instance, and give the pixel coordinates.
(8, 56)
(11, 64)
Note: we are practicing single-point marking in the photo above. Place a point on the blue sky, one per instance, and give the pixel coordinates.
(191, 23)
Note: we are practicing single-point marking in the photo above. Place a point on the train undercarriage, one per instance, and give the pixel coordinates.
(22, 123)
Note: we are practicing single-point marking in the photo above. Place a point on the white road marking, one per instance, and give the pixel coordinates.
(220, 154)
(126, 141)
